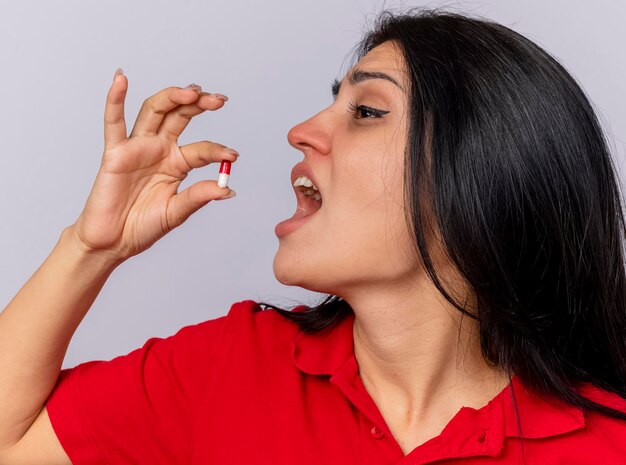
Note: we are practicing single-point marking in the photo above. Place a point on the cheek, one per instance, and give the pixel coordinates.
(366, 218)
(367, 179)
(371, 180)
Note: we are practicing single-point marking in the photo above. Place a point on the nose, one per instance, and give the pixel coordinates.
(312, 135)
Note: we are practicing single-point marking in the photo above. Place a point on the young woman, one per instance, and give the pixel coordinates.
(458, 204)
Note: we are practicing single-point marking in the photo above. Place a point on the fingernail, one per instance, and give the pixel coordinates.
(195, 87)
(222, 96)
(117, 73)
(230, 195)
(233, 151)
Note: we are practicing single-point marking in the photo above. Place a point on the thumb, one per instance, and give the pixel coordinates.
(114, 122)
(182, 205)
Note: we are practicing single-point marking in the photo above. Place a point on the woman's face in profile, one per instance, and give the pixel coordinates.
(354, 150)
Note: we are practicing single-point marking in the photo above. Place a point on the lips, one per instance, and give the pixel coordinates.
(300, 217)
(303, 169)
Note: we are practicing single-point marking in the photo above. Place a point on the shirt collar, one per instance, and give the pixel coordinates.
(539, 418)
(326, 353)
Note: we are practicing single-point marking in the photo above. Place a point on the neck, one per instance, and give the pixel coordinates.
(419, 357)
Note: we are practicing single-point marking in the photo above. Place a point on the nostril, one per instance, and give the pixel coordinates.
(312, 135)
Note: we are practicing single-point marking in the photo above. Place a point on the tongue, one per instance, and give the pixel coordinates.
(306, 206)
(301, 213)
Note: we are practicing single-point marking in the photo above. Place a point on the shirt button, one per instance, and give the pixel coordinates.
(377, 433)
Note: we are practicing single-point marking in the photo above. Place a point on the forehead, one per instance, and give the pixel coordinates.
(386, 57)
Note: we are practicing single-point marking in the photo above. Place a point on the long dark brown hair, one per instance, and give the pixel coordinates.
(525, 195)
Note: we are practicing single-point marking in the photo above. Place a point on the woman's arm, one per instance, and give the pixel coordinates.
(133, 203)
(36, 328)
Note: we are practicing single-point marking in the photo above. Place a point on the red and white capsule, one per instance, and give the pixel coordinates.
(222, 180)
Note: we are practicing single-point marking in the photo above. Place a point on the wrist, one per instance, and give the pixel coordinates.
(105, 260)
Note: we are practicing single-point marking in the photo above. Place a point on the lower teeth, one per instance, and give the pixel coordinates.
(313, 194)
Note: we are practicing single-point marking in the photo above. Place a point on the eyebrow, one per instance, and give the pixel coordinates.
(358, 75)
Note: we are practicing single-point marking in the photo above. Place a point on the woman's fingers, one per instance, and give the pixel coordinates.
(175, 121)
(156, 107)
(114, 122)
(182, 205)
(202, 153)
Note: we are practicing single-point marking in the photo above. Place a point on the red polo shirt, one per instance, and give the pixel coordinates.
(249, 388)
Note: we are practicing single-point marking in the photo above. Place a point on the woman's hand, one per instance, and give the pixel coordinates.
(134, 200)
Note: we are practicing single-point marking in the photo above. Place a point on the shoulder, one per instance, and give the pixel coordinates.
(244, 328)
(249, 324)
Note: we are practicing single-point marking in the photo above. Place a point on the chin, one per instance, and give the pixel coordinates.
(292, 272)
(288, 272)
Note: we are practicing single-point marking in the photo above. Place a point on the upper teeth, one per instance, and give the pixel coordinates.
(304, 181)
(307, 187)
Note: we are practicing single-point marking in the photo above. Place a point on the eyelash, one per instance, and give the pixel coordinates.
(355, 108)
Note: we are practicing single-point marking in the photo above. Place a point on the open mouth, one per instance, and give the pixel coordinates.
(308, 196)
(309, 202)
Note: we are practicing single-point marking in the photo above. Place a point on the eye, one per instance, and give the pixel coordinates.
(362, 111)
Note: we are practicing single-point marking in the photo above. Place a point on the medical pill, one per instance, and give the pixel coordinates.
(222, 180)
